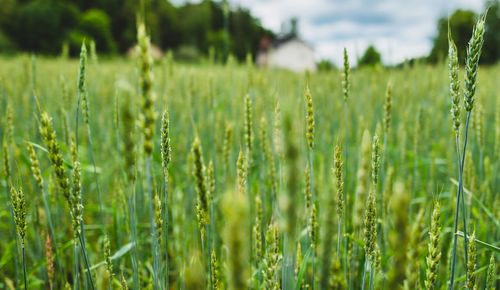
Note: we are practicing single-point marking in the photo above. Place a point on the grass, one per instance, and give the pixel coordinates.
(208, 104)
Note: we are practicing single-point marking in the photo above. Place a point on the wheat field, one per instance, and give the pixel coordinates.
(133, 173)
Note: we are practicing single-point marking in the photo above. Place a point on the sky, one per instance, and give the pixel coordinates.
(399, 29)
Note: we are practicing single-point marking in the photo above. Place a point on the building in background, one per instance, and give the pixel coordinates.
(288, 51)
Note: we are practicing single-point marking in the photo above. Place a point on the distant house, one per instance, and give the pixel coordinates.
(288, 52)
(155, 51)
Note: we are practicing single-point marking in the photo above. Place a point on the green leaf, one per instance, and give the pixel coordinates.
(46, 151)
(125, 249)
(483, 207)
(359, 242)
(490, 246)
(37, 146)
(462, 278)
(303, 267)
(7, 255)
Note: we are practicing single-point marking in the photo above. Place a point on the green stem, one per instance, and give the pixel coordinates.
(95, 176)
(203, 254)
(77, 115)
(371, 278)
(338, 236)
(24, 269)
(460, 194)
(166, 232)
(312, 202)
(457, 210)
(364, 273)
(154, 237)
(461, 185)
(86, 259)
(75, 269)
(313, 254)
(133, 232)
(208, 258)
(51, 228)
(346, 185)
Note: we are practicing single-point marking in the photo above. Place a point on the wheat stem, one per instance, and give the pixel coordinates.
(75, 267)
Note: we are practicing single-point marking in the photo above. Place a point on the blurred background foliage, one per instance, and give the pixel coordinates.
(45, 26)
(190, 30)
(460, 22)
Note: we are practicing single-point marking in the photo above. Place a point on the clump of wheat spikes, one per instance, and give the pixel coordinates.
(226, 176)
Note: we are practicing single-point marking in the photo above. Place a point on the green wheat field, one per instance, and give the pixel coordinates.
(134, 173)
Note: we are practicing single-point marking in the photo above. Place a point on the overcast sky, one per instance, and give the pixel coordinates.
(399, 29)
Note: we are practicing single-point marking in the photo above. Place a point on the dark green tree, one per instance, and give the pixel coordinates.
(325, 65)
(95, 24)
(371, 57)
(42, 25)
(491, 52)
(461, 23)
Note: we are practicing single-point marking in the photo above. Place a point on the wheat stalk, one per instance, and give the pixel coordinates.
(19, 208)
(471, 68)
(166, 157)
(434, 250)
(491, 277)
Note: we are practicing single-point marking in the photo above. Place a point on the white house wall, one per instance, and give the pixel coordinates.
(293, 55)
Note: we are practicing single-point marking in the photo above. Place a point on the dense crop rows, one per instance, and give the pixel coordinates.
(229, 176)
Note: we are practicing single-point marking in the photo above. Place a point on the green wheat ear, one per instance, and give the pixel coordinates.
(215, 271)
(166, 155)
(20, 211)
(345, 75)
(81, 83)
(313, 226)
(210, 180)
(248, 126)
(434, 250)
(228, 138)
(81, 70)
(309, 119)
(272, 258)
(241, 166)
(236, 212)
(257, 229)
(471, 266)
(387, 108)
(307, 192)
(10, 124)
(158, 216)
(49, 254)
(6, 161)
(55, 155)
(76, 206)
(370, 232)
(454, 82)
(472, 63)
(146, 85)
(339, 181)
(491, 278)
(107, 255)
(199, 177)
(375, 161)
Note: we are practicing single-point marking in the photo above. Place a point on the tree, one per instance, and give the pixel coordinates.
(461, 24)
(325, 65)
(371, 57)
(41, 26)
(95, 24)
(491, 53)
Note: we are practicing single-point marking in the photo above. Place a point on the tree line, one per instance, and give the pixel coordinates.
(45, 26)
(190, 30)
